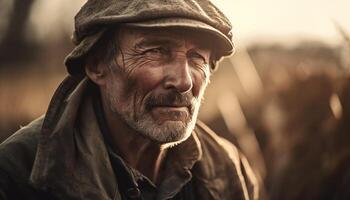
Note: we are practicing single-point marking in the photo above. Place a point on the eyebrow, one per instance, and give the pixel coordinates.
(146, 42)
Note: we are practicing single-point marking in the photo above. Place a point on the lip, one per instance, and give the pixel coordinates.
(173, 107)
(172, 113)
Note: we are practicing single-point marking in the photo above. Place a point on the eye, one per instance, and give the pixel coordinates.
(197, 58)
(156, 51)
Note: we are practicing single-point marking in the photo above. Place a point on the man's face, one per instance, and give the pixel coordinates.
(158, 81)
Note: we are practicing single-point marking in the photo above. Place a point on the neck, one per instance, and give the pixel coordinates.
(136, 150)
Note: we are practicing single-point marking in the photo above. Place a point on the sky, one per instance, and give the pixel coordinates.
(287, 20)
(264, 21)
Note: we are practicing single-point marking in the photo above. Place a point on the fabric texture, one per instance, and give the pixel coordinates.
(62, 155)
(96, 16)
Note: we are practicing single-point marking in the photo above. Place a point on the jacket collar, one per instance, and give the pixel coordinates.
(180, 161)
(72, 161)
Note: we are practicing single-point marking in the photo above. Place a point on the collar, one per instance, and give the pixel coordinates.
(179, 162)
(72, 161)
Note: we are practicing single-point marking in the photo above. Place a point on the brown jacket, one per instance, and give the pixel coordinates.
(63, 156)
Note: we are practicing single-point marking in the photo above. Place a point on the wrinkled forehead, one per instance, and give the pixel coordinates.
(173, 36)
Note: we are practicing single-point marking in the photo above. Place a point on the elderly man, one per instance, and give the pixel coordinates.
(123, 124)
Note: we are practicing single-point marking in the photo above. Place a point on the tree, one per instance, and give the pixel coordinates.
(14, 45)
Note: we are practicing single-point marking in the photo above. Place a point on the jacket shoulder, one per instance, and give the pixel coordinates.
(17, 152)
(222, 159)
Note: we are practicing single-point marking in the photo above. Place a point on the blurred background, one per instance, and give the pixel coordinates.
(283, 98)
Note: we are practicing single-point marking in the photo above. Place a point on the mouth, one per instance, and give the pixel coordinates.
(171, 112)
(172, 108)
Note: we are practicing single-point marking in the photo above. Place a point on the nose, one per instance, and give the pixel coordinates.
(178, 75)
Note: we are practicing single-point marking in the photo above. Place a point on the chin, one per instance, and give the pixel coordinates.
(168, 133)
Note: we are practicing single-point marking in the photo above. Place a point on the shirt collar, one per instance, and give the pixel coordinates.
(180, 160)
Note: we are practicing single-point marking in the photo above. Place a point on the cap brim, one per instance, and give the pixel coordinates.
(221, 42)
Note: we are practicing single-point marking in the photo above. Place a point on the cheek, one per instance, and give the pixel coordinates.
(148, 79)
(200, 82)
(114, 90)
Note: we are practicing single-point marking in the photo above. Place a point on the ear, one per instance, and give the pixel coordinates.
(96, 71)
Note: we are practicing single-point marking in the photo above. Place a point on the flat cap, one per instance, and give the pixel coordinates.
(97, 16)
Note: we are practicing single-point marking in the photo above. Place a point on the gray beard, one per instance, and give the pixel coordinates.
(169, 132)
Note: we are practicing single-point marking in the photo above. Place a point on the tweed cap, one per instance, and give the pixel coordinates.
(97, 16)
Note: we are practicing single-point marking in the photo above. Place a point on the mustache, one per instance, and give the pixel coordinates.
(172, 98)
